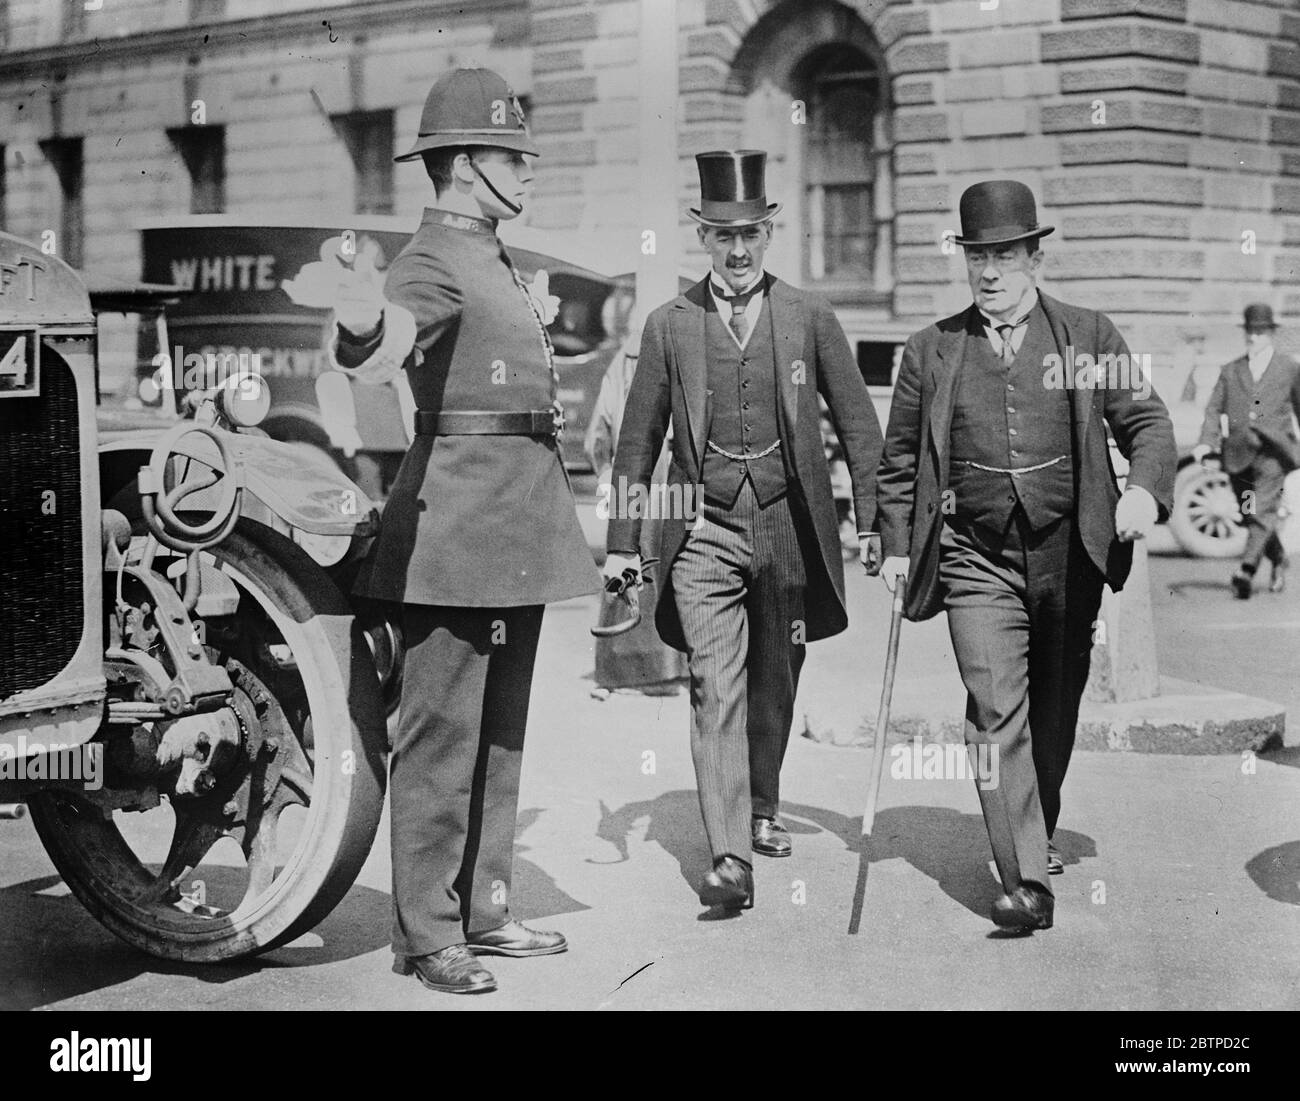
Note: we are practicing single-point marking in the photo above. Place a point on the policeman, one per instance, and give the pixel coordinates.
(479, 533)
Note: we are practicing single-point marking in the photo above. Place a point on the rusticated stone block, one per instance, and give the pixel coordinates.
(919, 57)
(915, 162)
(1112, 148)
(1102, 76)
(1284, 130)
(578, 89)
(576, 27)
(1124, 224)
(928, 267)
(1121, 111)
(1087, 188)
(908, 93)
(923, 197)
(1128, 37)
(1283, 61)
(556, 61)
(920, 126)
(1096, 9)
(1286, 198)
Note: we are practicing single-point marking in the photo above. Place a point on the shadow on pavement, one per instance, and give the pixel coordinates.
(535, 891)
(948, 846)
(52, 949)
(1276, 872)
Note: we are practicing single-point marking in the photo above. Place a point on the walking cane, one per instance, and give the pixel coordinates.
(878, 751)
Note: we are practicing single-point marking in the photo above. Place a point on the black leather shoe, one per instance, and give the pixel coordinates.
(769, 837)
(730, 885)
(1277, 581)
(513, 939)
(1055, 865)
(1024, 909)
(450, 971)
(1241, 585)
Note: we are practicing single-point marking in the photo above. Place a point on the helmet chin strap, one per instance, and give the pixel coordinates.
(500, 198)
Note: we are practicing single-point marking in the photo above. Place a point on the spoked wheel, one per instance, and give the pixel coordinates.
(293, 793)
(1206, 520)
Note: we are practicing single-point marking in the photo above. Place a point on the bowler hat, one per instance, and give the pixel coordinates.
(471, 107)
(732, 190)
(998, 212)
(1258, 315)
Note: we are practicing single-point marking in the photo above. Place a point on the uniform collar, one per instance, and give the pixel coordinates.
(465, 222)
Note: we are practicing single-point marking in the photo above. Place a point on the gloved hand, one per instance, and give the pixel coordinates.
(384, 364)
(1135, 515)
(869, 552)
(894, 570)
(617, 564)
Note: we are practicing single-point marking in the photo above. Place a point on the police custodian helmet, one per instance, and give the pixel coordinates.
(471, 107)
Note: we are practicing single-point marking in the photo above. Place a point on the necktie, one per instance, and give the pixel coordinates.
(1008, 353)
(739, 302)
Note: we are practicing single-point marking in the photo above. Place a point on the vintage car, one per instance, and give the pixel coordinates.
(189, 706)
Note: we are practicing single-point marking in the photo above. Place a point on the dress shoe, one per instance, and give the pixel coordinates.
(1241, 585)
(451, 971)
(1024, 909)
(769, 837)
(1055, 865)
(513, 939)
(1277, 581)
(730, 885)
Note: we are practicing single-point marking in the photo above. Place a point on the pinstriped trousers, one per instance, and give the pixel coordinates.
(740, 582)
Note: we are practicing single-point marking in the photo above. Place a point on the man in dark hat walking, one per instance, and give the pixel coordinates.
(998, 503)
(478, 535)
(1258, 394)
(753, 569)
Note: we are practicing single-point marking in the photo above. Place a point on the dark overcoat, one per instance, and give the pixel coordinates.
(1259, 413)
(812, 357)
(914, 470)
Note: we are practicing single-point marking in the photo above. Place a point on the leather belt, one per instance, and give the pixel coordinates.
(1010, 470)
(533, 422)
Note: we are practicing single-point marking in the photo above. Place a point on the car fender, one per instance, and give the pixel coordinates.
(301, 488)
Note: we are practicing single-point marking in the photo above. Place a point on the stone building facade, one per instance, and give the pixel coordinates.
(1161, 136)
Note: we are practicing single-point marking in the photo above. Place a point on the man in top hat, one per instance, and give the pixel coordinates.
(755, 570)
(1258, 393)
(997, 502)
(479, 533)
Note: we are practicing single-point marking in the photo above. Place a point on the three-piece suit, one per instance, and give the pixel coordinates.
(999, 490)
(758, 571)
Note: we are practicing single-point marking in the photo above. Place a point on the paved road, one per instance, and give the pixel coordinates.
(1180, 891)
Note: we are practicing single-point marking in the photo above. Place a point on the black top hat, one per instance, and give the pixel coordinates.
(732, 192)
(1258, 315)
(471, 107)
(998, 212)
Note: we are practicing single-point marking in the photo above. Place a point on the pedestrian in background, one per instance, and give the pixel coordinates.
(1258, 395)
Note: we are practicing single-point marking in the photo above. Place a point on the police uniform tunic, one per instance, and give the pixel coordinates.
(474, 521)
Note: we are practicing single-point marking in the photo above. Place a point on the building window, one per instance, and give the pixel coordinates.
(841, 160)
(203, 149)
(368, 137)
(65, 157)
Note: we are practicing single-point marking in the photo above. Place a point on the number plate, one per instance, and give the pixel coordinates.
(20, 362)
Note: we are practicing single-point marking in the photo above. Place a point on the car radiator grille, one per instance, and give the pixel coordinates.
(40, 532)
